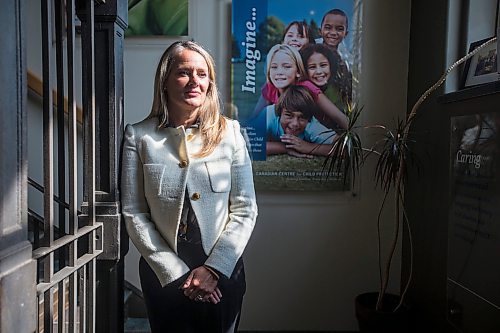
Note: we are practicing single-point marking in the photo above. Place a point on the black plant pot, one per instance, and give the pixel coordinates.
(385, 320)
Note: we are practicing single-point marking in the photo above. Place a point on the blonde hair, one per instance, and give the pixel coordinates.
(292, 53)
(211, 123)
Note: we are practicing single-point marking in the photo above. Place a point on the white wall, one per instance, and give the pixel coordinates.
(310, 254)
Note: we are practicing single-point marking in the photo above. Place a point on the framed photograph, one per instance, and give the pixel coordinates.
(482, 67)
(157, 18)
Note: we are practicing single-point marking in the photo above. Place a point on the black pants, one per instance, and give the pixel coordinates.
(170, 311)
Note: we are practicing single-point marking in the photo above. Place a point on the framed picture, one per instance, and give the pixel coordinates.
(157, 18)
(482, 67)
(283, 52)
(473, 224)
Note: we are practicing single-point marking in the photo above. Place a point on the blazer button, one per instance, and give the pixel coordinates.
(196, 196)
(183, 164)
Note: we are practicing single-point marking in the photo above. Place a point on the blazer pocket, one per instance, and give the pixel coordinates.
(219, 173)
(153, 176)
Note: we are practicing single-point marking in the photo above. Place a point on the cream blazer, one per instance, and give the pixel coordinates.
(157, 169)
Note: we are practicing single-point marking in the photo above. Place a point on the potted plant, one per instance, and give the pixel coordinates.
(381, 311)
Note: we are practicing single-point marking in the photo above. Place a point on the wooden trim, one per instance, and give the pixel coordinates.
(35, 84)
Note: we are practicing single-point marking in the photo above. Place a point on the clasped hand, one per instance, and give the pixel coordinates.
(201, 285)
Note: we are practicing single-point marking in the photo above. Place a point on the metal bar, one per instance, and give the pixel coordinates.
(72, 166)
(39, 322)
(78, 272)
(65, 240)
(98, 238)
(48, 142)
(88, 60)
(92, 283)
(61, 306)
(72, 122)
(47, 160)
(91, 293)
(90, 173)
(48, 311)
(72, 300)
(48, 137)
(61, 151)
(82, 293)
(66, 271)
(40, 188)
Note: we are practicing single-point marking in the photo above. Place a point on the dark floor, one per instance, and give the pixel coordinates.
(137, 325)
(136, 317)
(141, 325)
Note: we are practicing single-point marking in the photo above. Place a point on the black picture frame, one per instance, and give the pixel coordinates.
(482, 67)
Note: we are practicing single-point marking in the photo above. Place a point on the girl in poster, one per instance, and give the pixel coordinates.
(322, 66)
(285, 67)
(298, 35)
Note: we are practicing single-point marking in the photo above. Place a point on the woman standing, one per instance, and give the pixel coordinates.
(188, 199)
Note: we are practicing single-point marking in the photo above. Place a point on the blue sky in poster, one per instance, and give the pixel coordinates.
(294, 10)
(289, 10)
(242, 10)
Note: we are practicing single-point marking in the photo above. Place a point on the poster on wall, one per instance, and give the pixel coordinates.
(474, 219)
(152, 17)
(294, 66)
